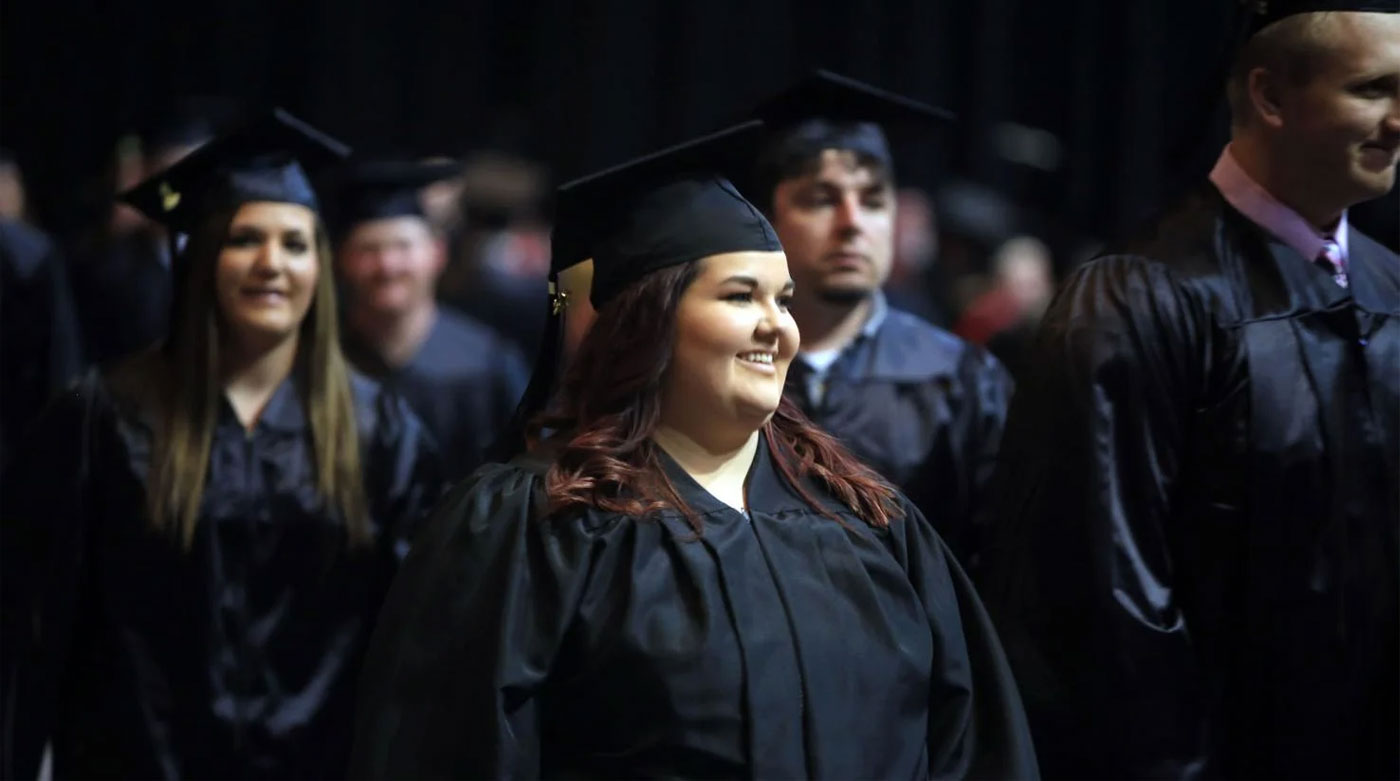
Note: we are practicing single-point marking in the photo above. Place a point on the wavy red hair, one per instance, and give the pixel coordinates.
(609, 403)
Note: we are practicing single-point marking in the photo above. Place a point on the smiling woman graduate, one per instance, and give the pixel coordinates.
(197, 540)
(682, 577)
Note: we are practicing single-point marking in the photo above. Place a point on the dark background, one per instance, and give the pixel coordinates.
(1113, 102)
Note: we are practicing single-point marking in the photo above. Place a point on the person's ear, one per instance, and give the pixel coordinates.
(1265, 90)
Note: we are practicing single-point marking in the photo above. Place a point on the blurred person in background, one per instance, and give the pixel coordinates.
(40, 343)
(461, 377)
(913, 257)
(441, 201)
(974, 221)
(121, 277)
(196, 539)
(1004, 318)
(1193, 558)
(499, 257)
(921, 406)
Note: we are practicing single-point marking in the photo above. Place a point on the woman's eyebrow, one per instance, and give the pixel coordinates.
(744, 279)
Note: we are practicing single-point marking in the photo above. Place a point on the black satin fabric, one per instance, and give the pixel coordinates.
(463, 383)
(235, 659)
(1195, 558)
(600, 646)
(923, 408)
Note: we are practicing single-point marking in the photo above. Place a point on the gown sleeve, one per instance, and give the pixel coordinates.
(514, 375)
(1078, 573)
(468, 635)
(989, 387)
(44, 499)
(405, 474)
(977, 725)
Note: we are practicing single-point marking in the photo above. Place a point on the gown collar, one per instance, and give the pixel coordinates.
(284, 411)
(765, 489)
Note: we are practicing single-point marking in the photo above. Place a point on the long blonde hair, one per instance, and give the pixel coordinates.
(188, 393)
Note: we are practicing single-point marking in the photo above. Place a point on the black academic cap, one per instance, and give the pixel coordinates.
(1265, 12)
(269, 158)
(825, 110)
(822, 94)
(380, 189)
(188, 120)
(663, 209)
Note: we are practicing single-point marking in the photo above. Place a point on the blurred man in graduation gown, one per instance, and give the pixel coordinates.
(461, 378)
(1195, 556)
(920, 405)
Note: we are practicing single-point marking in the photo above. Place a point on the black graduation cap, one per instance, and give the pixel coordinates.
(825, 110)
(663, 209)
(269, 158)
(1263, 13)
(188, 120)
(380, 189)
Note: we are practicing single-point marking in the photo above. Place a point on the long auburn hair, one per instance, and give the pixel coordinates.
(187, 392)
(609, 404)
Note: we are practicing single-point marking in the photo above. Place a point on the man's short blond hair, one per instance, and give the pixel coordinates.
(1293, 47)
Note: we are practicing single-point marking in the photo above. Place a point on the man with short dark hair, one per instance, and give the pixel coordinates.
(1193, 559)
(921, 406)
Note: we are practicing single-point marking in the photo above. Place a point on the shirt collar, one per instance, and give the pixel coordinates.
(879, 310)
(1263, 209)
(766, 490)
(284, 411)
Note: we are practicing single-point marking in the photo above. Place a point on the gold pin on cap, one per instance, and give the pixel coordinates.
(559, 299)
(169, 199)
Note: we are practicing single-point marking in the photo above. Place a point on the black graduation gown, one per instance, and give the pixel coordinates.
(1195, 566)
(40, 347)
(595, 645)
(235, 659)
(923, 408)
(464, 383)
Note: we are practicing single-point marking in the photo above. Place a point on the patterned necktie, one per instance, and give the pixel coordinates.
(1330, 259)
